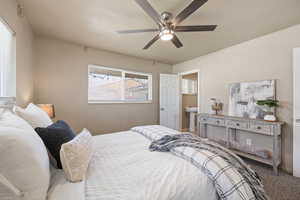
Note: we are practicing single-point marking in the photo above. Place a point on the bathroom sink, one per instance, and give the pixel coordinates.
(191, 109)
(192, 115)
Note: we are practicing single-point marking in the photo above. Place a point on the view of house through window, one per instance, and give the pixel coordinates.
(115, 85)
(7, 61)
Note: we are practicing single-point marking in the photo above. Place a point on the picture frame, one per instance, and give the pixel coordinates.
(244, 95)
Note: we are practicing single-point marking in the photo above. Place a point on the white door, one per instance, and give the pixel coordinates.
(296, 137)
(169, 101)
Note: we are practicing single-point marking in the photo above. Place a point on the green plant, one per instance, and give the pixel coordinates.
(269, 102)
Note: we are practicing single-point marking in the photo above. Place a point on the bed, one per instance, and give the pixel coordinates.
(124, 168)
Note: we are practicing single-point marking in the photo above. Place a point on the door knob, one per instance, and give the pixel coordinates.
(297, 120)
(162, 109)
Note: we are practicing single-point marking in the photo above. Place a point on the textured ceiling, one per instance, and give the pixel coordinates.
(94, 23)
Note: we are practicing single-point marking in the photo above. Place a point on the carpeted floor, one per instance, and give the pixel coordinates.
(282, 187)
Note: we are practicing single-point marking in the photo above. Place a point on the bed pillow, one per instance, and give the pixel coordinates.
(76, 155)
(24, 165)
(54, 136)
(34, 115)
(9, 119)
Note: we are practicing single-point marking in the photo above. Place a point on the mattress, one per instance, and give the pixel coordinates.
(123, 168)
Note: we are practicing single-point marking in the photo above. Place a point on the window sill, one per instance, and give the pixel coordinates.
(120, 102)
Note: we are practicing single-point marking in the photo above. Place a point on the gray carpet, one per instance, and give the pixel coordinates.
(282, 187)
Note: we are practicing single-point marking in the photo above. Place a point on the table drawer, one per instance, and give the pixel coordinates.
(265, 129)
(203, 119)
(238, 124)
(216, 121)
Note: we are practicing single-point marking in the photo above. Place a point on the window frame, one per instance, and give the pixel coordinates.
(123, 100)
(3, 84)
(5, 23)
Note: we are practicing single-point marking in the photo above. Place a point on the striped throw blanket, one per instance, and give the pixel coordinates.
(232, 178)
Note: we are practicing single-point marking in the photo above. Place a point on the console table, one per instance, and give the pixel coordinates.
(251, 138)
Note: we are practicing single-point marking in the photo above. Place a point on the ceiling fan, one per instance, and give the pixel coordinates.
(168, 25)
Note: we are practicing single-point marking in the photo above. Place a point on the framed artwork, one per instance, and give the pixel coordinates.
(243, 97)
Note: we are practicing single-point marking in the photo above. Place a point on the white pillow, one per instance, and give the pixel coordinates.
(75, 156)
(24, 159)
(9, 119)
(34, 115)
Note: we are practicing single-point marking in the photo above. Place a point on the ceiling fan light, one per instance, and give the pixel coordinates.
(166, 35)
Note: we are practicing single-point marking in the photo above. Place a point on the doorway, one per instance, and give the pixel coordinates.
(189, 100)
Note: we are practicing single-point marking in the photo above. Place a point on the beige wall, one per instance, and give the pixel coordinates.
(61, 78)
(268, 57)
(24, 42)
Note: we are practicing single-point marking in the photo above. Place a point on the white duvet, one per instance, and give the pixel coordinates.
(124, 169)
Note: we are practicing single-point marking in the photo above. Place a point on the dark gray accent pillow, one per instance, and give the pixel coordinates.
(54, 136)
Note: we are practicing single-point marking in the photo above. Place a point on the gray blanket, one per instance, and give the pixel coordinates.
(246, 176)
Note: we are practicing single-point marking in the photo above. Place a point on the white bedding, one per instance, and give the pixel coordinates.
(62, 189)
(124, 169)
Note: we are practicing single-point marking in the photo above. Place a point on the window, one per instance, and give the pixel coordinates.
(7, 61)
(108, 85)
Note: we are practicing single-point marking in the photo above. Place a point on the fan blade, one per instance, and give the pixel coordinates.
(195, 5)
(137, 31)
(177, 42)
(150, 11)
(151, 42)
(195, 28)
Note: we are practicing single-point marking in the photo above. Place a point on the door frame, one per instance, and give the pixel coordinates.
(180, 74)
(296, 139)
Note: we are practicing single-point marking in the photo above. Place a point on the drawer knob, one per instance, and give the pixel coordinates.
(258, 127)
(218, 122)
(237, 124)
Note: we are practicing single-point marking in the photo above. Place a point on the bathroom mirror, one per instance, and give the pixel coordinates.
(189, 86)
